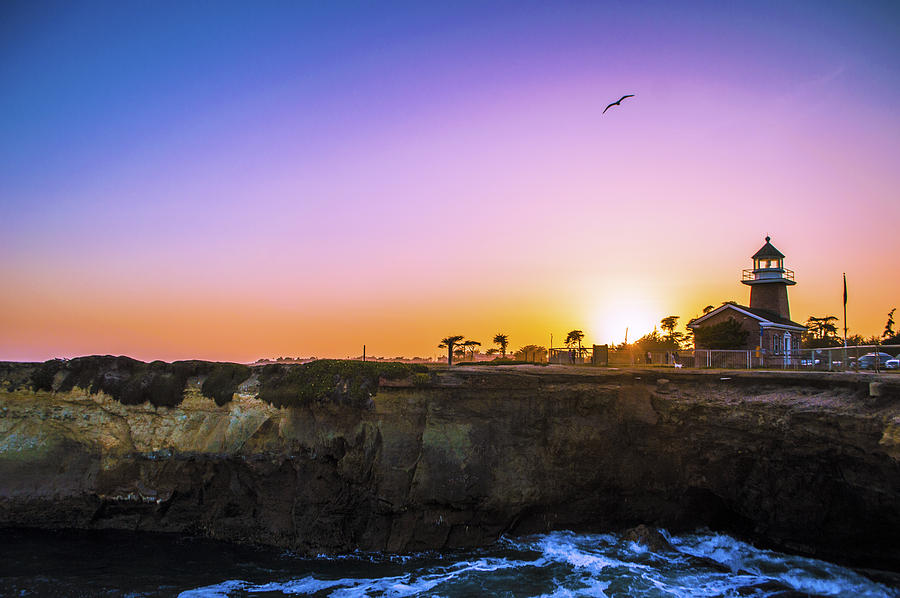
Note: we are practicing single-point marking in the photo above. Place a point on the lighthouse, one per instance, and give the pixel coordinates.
(768, 329)
(769, 281)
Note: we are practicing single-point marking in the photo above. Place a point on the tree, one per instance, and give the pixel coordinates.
(889, 326)
(688, 341)
(708, 309)
(673, 338)
(470, 346)
(829, 328)
(502, 341)
(821, 332)
(449, 343)
(531, 353)
(574, 338)
(855, 340)
(652, 341)
(668, 323)
(724, 335)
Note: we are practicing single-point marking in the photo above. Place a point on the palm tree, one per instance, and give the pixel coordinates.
(449, 343)
(502, 341)
(470, 345)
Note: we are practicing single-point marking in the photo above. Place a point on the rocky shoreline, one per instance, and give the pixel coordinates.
(807, 462)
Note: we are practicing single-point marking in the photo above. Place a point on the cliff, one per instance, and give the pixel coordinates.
(454, 458)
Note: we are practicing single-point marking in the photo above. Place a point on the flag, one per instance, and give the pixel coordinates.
(845, 289)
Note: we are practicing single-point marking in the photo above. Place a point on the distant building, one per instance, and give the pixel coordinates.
(767, 319)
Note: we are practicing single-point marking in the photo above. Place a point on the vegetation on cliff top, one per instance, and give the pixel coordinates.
(223, 381)
(351, 383)
(132, 382)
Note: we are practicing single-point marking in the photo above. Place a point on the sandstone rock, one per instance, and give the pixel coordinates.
(792, 460)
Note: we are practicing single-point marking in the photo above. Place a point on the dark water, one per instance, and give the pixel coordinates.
(36, 563)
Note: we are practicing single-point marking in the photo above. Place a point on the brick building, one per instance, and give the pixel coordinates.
(767, 319)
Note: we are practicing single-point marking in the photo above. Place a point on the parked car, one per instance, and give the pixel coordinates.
(867, 361)
(893, 364)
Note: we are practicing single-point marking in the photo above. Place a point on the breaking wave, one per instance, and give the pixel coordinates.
(563, 564)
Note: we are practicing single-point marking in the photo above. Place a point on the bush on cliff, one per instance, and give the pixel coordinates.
(223, 381)
(133, 382)
(351, 383)
(43, 375)
(15, 375)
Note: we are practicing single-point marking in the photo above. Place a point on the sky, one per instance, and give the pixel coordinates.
(237, 180)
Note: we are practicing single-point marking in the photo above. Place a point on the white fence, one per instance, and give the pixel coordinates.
(852, 358)
(833, 359)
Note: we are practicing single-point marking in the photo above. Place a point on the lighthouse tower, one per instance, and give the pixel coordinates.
(768, 281)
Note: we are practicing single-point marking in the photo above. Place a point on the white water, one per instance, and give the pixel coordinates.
(564, 564)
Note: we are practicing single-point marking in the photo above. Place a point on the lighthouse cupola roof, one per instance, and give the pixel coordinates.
(768, 252)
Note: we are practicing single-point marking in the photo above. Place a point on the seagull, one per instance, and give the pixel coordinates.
(617, 103)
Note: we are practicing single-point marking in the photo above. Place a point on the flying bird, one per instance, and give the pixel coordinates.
(618, 103)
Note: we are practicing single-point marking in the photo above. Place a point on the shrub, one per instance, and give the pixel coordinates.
(223, 381)
(127, 380)
(351, 383)
(43, 375)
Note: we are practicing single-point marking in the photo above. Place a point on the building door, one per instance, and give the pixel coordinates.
(787, 348)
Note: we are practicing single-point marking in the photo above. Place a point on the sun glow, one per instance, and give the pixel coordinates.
(639, 315)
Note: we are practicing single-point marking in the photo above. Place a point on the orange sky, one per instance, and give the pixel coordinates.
(302, 181)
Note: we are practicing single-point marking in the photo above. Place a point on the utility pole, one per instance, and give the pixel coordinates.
(364, 352)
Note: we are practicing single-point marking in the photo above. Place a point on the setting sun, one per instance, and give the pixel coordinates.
(638, 314)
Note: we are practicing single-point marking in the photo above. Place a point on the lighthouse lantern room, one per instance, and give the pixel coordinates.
(769, 280)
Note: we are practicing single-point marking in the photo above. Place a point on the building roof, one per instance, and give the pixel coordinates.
(768, 252)
(763, 315)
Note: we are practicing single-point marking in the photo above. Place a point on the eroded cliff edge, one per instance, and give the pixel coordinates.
(455, 458)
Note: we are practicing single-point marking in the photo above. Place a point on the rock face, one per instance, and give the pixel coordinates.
(803, 462)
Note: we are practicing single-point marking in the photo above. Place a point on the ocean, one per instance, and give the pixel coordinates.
(558, 564)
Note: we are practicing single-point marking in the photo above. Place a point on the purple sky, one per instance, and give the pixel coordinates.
(236, 180)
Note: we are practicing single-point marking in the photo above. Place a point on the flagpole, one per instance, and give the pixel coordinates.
(845, 310)
(844, 363)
